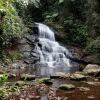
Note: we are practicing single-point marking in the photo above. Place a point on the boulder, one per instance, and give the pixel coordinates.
(19, 83)
(67, 87)
(59, 75)
(93, 83)
(92, 69)
(78, 76)
(11, 75)
(44, 80)
(91, 97)
(28, 77)
(84, 89)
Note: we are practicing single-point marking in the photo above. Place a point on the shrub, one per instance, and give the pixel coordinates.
(77, 31)
(11, 25)
(3, 78)
(94, 47)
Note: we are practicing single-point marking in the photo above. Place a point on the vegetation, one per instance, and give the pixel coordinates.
(3, 78)
(77, 32)
(11, 25)
(79, 19)
(94, 47)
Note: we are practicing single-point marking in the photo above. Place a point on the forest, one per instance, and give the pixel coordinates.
(49, 50)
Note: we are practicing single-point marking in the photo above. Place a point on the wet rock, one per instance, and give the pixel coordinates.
(20, 83)
(11, 75)
(92, 69)
(77, 76)
(91, 97)
(66, 87)
(27, 77)
(44, 80)
(47, 81)
(84, 89)
(59, 75)
(94, 83)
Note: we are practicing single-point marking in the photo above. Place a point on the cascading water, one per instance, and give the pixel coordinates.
(51, 53)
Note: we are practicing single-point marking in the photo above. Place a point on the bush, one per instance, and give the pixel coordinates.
(77, 31)
(94, 47)
(11, 25)
(3, 78)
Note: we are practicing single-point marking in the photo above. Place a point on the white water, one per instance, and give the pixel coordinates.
(51, 52)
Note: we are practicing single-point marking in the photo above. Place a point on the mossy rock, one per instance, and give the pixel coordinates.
(19, 83)
(67, 87)
(77, 77)
(44, 80)
(28, 77)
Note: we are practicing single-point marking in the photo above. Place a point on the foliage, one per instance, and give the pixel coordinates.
(3, 78)
(94, 47)
(12, 25)
(77, 32)
(61, 1)
(50, 17)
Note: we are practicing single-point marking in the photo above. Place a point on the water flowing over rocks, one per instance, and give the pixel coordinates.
(43, 50)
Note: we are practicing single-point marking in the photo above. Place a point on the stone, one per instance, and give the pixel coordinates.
(11, 75)
(77, 76)
(94, 83)
(28, 77)
(92, 69)
(91, 97)
(47, 81)
(84, 89)
(20, 83)
(59, 75)
(44, 80)
(67, 87)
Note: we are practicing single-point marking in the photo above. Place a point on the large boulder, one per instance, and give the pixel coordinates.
(92, 69)
(78, 76)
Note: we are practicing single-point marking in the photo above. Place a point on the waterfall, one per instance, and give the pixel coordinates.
(51, 52)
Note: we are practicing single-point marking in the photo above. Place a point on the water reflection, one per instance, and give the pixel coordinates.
(44, 70)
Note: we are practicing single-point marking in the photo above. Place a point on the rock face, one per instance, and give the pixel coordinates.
(92, 69)
(66, 87)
